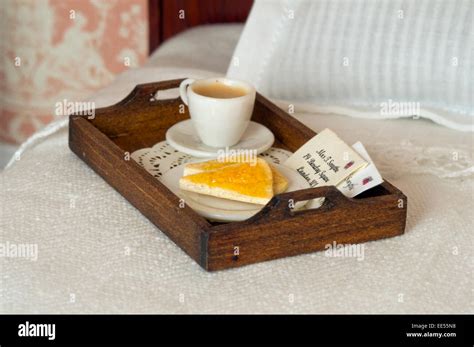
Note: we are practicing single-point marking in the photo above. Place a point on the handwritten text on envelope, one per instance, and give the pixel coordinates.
(325, 160)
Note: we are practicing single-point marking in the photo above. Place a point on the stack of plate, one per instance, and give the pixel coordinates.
(166, 161)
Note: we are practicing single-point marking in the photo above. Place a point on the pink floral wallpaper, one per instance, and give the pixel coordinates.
(53, 50)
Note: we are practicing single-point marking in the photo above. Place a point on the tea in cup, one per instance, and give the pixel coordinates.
(220, 108)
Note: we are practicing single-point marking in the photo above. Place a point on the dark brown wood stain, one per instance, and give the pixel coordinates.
(105, 143)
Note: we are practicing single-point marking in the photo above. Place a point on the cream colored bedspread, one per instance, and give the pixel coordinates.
(97, 253)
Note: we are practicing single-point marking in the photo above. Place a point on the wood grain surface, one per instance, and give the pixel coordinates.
(167, 18)
(106, 142)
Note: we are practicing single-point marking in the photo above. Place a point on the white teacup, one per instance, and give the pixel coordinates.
(220, 108)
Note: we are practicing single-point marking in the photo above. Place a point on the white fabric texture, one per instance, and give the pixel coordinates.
(6, 152)
(363, 58)
(206, 47)
(98, 254)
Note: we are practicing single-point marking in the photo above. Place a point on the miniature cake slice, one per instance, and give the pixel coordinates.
(247, 182)
(280, 183)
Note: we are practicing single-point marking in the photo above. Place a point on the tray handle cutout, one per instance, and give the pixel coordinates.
(155, 93)
(165, 94)
(333, 198)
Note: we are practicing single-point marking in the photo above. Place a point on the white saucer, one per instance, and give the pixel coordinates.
(225, 210)
(183, 137)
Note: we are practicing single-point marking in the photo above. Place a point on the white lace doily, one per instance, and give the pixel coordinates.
(161, 158)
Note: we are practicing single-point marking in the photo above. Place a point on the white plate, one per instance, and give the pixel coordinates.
(225, 210)
(183, 137)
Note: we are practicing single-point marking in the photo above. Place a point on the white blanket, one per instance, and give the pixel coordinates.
(97, 253)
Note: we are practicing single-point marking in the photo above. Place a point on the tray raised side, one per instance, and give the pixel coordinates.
(106, 142)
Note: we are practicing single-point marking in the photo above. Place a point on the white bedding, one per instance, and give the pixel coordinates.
(375, 59)
(96, 253)
(208, 47)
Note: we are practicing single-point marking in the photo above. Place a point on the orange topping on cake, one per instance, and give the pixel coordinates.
(247, 182)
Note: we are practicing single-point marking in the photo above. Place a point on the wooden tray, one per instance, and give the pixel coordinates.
(139, 121)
